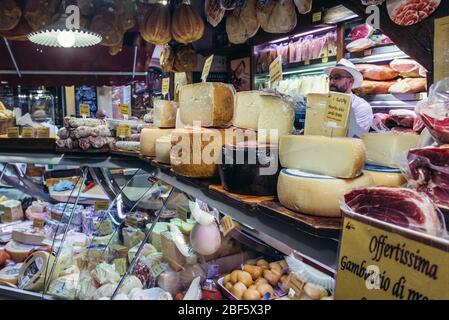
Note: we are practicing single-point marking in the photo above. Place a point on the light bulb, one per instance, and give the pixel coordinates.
(66, 38)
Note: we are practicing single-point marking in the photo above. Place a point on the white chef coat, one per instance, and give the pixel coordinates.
(360, 118)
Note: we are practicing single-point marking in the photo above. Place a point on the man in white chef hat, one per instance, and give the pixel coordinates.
(343, 78)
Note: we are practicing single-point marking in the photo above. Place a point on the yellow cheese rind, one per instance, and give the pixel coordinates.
(209, 104)
(335, 157)
(163, 147)
(196, 152)
(165, 113)
(316, 195)
(389, 149)
(148, 139)
(247, 109)
(386, 179)
(277, 114)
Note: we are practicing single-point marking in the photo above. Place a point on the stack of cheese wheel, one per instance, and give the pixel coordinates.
(205, 111)
(165, 121)
(319, 171)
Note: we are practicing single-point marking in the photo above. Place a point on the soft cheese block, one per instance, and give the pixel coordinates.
(246, 109)
(315, 124)
(335, 157)
(276, 118)
(389, 149)
(165, 113)
(195, 152)
(386, 177)
(148, 138)
(315, 194)
(163, 147)
(212, 104)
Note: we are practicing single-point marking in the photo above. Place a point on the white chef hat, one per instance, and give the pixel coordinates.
(348, 66)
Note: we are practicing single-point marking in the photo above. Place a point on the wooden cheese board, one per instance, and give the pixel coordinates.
(320, 226)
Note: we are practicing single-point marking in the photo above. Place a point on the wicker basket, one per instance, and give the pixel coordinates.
(5, 124)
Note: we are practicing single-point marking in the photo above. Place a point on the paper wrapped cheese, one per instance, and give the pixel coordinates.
(277, 16)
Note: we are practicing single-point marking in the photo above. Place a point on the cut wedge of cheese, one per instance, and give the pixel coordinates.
(315, 124)
(163, 147)
(179, 123)
(165, 113)
(389, 149)
(206, 104)
(276, 118)
(385, 177)
(148, 139)
(315, 194)
(335, 157)
(246, 109)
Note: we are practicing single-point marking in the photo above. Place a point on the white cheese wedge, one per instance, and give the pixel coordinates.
(148, 138)
(246, 109)
(389, 149)
(163, 147)
(276, 118)
(208, 104)
(315, 194)
(165, 113)
(335, 157)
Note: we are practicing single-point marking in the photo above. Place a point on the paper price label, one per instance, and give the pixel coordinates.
(227, 224)
(13, 132)
(43, 133)
(206, 68)
(85, 110)
(337, 110)
(38, 223)
(275, 71)
(28, 132)
(123, 130)
(101, 205)
(307, 62)
(182, 213)
(156, 269)
(165, 86)
(368, 52)
(180, 80)
(325, 59)
(316, 17)
(124, 110)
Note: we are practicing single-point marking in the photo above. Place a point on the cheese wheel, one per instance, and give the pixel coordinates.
(246, 109)
(148, 138)
(206, 104)
(163, 147)
(335, 157)
(33, 271)
(386, 178)
(276, 118)
(18, 251)
(389, 149)
(10, 274)
(179, 123)
(165, 113)
(196, 152)
(315, 194)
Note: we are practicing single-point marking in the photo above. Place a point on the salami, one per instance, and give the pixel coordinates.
(410, 12)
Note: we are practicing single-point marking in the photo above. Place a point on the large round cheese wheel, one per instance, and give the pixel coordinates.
(315, 194)
(33, 271)
(163, 147)
(10, 274)
(148, 138)
(18, 251)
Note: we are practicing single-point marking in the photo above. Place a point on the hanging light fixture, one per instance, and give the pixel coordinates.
(59, 35)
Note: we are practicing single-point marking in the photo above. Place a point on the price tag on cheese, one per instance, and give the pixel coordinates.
(227, 224)
(43, 133)
(337, 110)
(124, 110)
(28, 132)
(306, 62)
(123, 130)
(156, 269)
(38, 223)
(165, 86)
(275, 72)
(206, 68)
(325, 59)
(381, 261)
(101, 205)
(180, 80)
(316, 17)
(84, 110)
(368, 52)
(13, 132)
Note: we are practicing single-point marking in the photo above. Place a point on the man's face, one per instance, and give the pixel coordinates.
(340, 81)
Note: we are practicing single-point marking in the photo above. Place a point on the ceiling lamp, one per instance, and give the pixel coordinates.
(58, 35)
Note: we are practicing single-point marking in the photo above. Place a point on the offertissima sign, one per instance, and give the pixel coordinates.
(380, 261)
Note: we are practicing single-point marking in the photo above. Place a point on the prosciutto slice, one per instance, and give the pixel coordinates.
(403, 207)
(436, 119)
(403, 118)
(429, 173)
